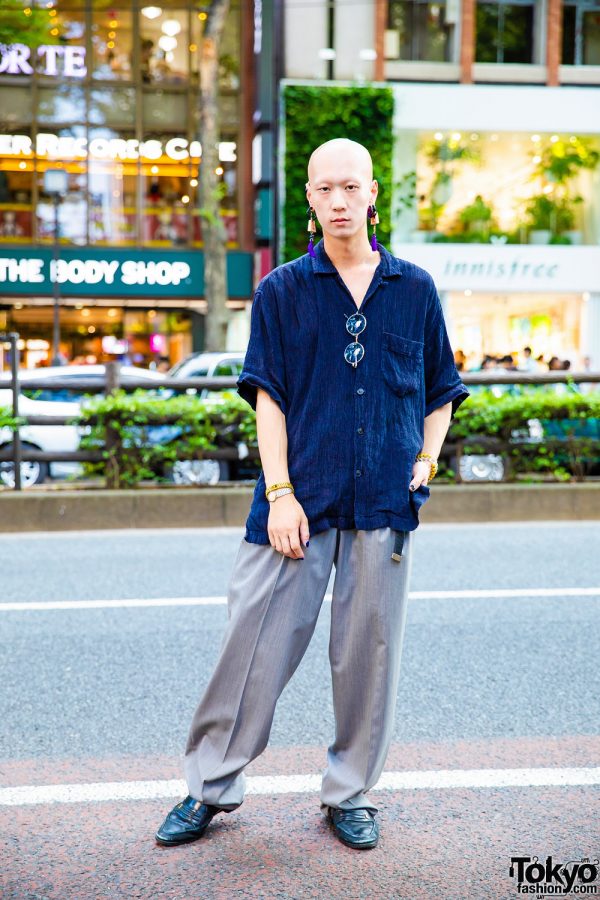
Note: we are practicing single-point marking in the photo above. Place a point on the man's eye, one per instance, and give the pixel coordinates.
(323, 189)
(350, 187)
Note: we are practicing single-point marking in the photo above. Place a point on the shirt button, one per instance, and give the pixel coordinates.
(360, 390)
(360, 430)
(358, 473)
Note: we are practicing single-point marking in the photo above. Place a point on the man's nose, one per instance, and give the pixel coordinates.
(339, 200)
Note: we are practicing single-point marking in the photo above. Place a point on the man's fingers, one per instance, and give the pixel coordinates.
(304, 532)
(295, 545)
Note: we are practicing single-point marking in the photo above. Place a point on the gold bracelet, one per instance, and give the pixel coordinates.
(433, 466)
(279, 484)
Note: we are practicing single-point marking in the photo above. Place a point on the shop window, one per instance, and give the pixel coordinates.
(505, 32)
(112, 192)
(65, 57)
(112, 175)
(581, 33)
(61, 103)
(164, 45)
(112, 106)
(66, 145)
(166, 194)
(15, 109)
(112, 43)
(422, 28)
(16, 190)
(163, 109)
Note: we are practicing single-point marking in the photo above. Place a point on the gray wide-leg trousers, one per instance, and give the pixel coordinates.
(273, 605)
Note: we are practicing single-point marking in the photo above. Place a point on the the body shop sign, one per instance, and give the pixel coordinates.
(120, 273)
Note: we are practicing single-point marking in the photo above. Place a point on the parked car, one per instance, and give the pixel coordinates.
(210, 471)
(46, 402)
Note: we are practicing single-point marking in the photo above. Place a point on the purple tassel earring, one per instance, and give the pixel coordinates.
(373, 217)
(312, 228)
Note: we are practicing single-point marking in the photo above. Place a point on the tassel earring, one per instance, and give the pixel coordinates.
(312, 228)
(373, 217)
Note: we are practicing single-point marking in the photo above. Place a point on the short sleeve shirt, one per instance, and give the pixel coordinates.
(353, 432)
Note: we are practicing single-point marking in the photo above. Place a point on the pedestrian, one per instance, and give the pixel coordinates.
(353, 379)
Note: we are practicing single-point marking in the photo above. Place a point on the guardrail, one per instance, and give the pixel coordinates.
(112, 382)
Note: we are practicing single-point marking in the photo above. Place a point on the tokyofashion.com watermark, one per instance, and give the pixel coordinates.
(577, 876)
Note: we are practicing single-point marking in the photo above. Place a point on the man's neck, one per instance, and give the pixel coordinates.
(348, 253)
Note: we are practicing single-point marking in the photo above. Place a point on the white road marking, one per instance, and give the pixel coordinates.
(221, 600)
(436, 779)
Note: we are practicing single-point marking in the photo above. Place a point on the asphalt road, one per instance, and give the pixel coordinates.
(105, 695)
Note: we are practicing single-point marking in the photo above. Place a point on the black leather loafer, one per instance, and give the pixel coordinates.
(355, 827)
(186, 822)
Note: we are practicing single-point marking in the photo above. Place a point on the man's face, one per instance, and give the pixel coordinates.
(340, 191)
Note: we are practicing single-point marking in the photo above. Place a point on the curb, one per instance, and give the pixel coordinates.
(229, 506)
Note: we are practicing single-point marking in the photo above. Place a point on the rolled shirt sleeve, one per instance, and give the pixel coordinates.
(264, 363)
(442, 380)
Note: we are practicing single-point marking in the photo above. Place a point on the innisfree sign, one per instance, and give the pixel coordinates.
(110, 272)
(507, 267)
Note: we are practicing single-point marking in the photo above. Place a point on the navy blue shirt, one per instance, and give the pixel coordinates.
(353, 433)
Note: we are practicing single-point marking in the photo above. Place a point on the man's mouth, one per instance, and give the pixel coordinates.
(340, 220)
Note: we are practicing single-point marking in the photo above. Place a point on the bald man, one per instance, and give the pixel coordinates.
(353, 380)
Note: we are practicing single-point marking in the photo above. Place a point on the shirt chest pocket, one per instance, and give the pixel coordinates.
(402, 363)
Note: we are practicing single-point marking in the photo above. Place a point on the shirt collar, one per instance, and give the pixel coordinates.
(389, 266)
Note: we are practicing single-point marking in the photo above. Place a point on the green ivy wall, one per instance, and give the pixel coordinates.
(313, 115)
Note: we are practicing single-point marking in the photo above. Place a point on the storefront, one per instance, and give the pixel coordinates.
(139, 306)
(497, 194)
(109, 94)
(500, 299)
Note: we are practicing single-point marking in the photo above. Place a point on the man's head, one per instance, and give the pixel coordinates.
(340, 186)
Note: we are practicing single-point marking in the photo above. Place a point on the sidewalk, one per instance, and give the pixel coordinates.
(193, 507)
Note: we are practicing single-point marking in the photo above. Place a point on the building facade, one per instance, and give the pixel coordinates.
(110, 96)
(496, 156)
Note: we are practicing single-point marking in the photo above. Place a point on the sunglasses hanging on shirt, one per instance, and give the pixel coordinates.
(355, 351)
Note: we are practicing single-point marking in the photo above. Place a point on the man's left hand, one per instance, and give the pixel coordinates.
(421, 471)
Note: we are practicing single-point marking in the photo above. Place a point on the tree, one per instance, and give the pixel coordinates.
(211, 190)
(22, 23)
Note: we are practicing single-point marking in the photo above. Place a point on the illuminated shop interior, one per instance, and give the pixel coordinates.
(115, 103)
(486, 187)
(485, 323)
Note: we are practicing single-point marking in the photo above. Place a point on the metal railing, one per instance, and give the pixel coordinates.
(16, 453)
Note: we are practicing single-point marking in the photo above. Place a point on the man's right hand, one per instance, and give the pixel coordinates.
(288, 526)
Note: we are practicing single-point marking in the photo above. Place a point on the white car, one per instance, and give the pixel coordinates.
(46, 402)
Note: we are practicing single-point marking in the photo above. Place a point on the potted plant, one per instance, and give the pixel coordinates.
(476, 219)
(540, 214)
(550, 218)
(442, 154)
(557, 164)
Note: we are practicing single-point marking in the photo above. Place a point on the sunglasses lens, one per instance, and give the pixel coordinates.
(354, 353)
(356, 323)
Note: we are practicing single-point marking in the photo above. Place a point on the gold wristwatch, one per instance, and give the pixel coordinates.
(278, 490)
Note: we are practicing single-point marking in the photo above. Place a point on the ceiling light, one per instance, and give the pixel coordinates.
(167, 43)
(171, 27)
(152, 12)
